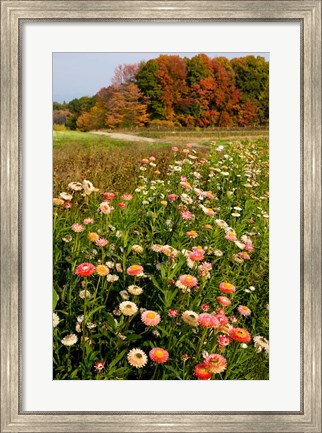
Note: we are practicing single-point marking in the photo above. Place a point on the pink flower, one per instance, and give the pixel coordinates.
(99, 366)
(222, 319)
(244, 255)
(189, 145)
(77, 228)
(67, 205)
(105, 208)
(224, 301)
(186, 151)
(173, 197)
(135, 270)
(174, 149)
(192, 234)
(233, 319)
(227, 287)
(231, 237)
(186, 215)
(159, 355)
(197, 254)
(223, 340)
(186, 185)
(188, 280)
(244, 311)
(173, 313)
(145, 161)
(183, 178)
(249, 246)
(88, 221)
(127, 197)
(205, 307)
(122, 205)
(109, 195)
(206, 320)
(101, 242)
(215, 363)
(220, 311)
(150, 318)
(152, 158)
(85, 270)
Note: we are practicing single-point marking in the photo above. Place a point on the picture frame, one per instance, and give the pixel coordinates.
(13, 14)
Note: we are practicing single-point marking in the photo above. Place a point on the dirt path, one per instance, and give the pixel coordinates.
(128, 137)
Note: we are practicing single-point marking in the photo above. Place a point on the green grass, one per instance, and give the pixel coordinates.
(84, 139)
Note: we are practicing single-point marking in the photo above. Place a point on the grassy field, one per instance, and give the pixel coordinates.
(82, 155)
(161, 258)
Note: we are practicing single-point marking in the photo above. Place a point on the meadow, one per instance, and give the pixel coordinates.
(161, 256)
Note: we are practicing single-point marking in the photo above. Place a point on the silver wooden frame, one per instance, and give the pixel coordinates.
(13, 13)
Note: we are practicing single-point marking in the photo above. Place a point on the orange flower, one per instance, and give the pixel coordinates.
(240, 335)
(93, 237)
(227, 287)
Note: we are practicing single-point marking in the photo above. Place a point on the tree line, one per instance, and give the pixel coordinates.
(172, 91)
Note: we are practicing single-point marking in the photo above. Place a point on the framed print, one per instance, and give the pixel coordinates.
(163, 262)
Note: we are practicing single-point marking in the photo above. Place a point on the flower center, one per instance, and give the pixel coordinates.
(158, 353)
(151, 315)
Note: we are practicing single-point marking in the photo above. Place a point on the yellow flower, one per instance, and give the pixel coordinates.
(93, 237)
(102, 270)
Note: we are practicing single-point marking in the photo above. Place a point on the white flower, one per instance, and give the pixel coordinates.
(76, 186)
(137, 249)
(55, 320)
(65, 196)
(88, 186)
(260, 343)
(69, 340)
(91, 325)
(124, 295)
(135, 290)
(128, 308)
(84, 294)
(112, 278)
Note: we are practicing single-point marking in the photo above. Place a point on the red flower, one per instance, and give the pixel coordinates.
(85, 270)
(202, 372)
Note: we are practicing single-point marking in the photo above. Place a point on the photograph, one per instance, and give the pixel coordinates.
(160, 216)
(160, 223)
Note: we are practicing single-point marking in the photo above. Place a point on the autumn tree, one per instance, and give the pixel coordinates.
(252, 79)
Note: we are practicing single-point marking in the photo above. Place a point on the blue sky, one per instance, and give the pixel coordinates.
(84, 74)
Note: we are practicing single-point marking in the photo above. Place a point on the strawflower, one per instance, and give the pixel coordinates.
(240, 335)
(128, 308)
(227, 287)
(159, 355)
(69, 340)
(135, 270)
(137, 358)
(85, 270)
(215, 363)
(244, 311)
(201, 372)
(150, 318)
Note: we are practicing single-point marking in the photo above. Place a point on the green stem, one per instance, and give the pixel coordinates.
(202, 339)
(108, 292)
(231, 361)
(155, 372)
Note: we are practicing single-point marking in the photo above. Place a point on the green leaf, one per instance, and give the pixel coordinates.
(55, 298)
(117, 358)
